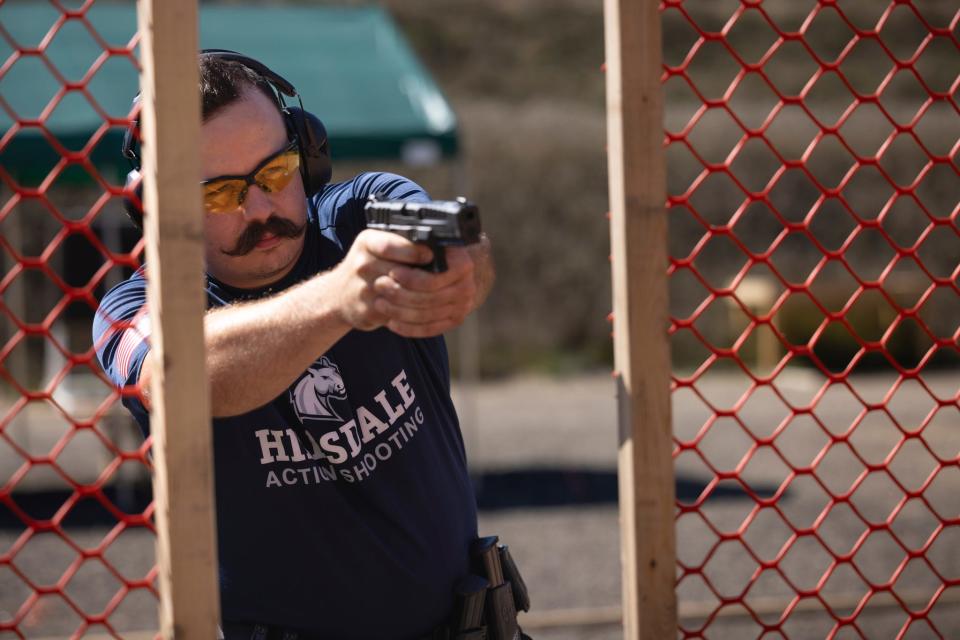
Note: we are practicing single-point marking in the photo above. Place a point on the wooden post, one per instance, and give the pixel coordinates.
(180, 416)
(641, 351)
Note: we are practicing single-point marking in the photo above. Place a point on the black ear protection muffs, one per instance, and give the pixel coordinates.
(315, 167)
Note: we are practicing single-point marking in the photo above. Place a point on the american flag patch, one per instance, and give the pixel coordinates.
(132, 337)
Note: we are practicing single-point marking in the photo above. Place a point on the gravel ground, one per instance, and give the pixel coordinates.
(570, 554)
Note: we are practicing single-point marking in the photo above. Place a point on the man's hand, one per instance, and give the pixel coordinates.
(381, 285)
(377, 284)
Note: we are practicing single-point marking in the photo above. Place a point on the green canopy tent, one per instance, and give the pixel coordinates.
(351, 65)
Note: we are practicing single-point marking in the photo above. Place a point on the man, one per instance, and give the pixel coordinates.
(343, 502)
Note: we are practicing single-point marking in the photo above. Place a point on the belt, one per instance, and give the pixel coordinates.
(253, 631)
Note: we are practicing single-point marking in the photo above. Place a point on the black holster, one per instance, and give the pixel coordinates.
(488, 600)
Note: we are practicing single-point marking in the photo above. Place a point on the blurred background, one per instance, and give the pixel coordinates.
(814, 242)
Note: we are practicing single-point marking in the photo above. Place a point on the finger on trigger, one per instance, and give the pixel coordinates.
(396, 248)
(420, 279)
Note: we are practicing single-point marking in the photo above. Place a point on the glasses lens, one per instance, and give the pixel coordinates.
(278, 173)
(224, 196)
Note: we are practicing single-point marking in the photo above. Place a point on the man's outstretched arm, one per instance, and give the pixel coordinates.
(255, 350)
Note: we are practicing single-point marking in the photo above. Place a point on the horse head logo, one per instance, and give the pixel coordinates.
(312, 393)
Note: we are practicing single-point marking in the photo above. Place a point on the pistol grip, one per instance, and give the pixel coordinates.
(439, 262)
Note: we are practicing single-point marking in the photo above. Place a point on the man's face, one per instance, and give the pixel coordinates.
(241, 251)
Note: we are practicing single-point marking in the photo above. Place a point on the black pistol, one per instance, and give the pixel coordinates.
(437, 223)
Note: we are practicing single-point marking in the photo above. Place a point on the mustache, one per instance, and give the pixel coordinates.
(280, 227)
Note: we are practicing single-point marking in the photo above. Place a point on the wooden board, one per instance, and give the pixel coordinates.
(641, 351)
(180, 416)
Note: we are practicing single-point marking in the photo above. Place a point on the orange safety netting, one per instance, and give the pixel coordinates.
(76, 528)
(813, 204)
(815, 247)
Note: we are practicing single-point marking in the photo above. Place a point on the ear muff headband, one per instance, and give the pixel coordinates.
(315, 166)
(277, 82)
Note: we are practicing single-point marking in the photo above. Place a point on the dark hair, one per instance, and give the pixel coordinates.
(223, 81)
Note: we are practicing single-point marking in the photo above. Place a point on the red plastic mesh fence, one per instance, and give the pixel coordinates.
(815, 251)
(76, 531)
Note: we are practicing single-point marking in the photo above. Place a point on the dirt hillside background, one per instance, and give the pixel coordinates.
(525, 80)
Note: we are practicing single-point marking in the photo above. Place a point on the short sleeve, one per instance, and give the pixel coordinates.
(121, 336)
(389, 186)
(340, 207)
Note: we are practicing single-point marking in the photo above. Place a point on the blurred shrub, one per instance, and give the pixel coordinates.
(525, 82)
(540, 181)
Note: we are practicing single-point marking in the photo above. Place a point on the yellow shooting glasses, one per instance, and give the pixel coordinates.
(226, 194)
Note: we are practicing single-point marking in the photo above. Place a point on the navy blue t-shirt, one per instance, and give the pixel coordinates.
(344, 507)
